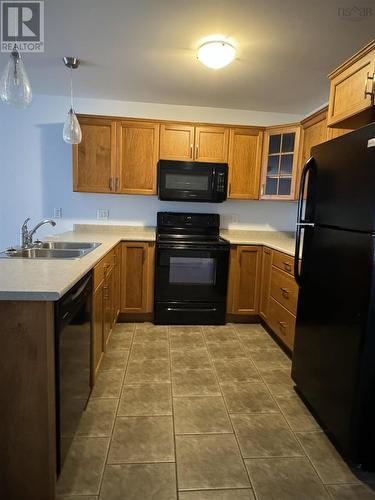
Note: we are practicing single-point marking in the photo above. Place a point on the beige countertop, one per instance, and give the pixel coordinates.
(29, 279)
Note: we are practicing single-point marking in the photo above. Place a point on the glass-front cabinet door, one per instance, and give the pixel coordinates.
(279, 167)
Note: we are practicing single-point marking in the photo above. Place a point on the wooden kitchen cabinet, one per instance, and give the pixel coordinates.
(108, 304)
(117, 281)
(137, 157)
(313, 132)
(211, 144)
(177, 141)
(244, 280)
(351, 98)
(283, 297)
(279, 162)
(265, 282)
(245, 156)
(94, 159)
(97, 330)
(137, 279)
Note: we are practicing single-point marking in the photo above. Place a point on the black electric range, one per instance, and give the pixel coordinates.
(191, 270)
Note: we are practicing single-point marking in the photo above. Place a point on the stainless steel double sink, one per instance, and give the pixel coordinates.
(52, 250)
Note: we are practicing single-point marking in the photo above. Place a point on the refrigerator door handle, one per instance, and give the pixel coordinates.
(300, 222)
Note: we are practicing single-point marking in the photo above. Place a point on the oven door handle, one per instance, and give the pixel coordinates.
(196, 309)
(161, 246)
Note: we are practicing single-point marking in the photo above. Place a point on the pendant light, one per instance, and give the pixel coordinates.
(15, 88)
(72, 133)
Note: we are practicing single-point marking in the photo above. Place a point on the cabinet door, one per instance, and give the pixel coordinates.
(97, 330)
(246, 289)
(108, 305)
(314, 132)
(117, 282)
(245, 155)
(134, 277)
(138, 151)
(279, 166)
(176, 141)
(265, 282)
(94, 159)
(352, 88)
(211, 144)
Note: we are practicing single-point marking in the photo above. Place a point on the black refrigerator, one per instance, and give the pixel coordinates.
(334, 352)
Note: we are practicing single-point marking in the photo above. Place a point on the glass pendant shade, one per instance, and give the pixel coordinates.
(15, 88)
(72, 133)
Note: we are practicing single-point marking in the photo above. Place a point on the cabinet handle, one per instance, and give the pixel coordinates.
(369, 93)
(283, 327)
(196, 150)
(106, 295)
(191, 151)
(285, 292)
(110, 183)
(117, 184)
(287, 266)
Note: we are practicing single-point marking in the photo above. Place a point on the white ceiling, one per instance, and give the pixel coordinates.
(144, 50)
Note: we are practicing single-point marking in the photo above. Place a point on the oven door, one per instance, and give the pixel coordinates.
(185, 181)
(186, 274)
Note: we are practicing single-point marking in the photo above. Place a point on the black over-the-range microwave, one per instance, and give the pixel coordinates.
(192, 181)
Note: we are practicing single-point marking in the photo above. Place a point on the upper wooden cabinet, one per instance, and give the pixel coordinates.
(211, 144)
(176, 141)
(245, 156)
(94, 159)
(313, 132)
(351, 98)
(279, 163)
(180, 141)
(138, 153)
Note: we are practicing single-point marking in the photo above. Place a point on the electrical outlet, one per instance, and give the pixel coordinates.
(57, 213)
(102, 214)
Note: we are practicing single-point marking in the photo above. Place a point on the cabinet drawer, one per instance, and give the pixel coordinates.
(98, 274)
(282, 322)
(102, 268)
(283, 261)
(284, 289)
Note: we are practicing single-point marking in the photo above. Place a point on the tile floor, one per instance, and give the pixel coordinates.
(201, 413)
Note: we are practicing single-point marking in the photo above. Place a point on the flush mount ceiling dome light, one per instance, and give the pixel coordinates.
(216, 54)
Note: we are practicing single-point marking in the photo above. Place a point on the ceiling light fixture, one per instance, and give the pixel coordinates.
(15, 88)
(72, 133)
(216, 54)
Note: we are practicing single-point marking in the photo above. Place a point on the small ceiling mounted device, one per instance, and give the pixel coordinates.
(15, 88)
(72, 133)
(216, 54)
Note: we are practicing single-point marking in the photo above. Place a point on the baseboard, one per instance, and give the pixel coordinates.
(135, 317)
(243, 318)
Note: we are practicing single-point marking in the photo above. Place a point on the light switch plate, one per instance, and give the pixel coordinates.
(102, 214)
(57, 213)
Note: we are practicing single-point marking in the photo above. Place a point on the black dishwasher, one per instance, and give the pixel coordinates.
(72, 351)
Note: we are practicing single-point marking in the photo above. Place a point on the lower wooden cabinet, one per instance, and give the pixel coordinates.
(244, 279)
(137, 282)
(265, 282)
(106, 304)
(282, 322)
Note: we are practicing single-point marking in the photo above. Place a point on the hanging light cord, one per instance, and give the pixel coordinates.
(71, 89)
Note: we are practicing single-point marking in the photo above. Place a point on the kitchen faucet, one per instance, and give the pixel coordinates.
(27, 236)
